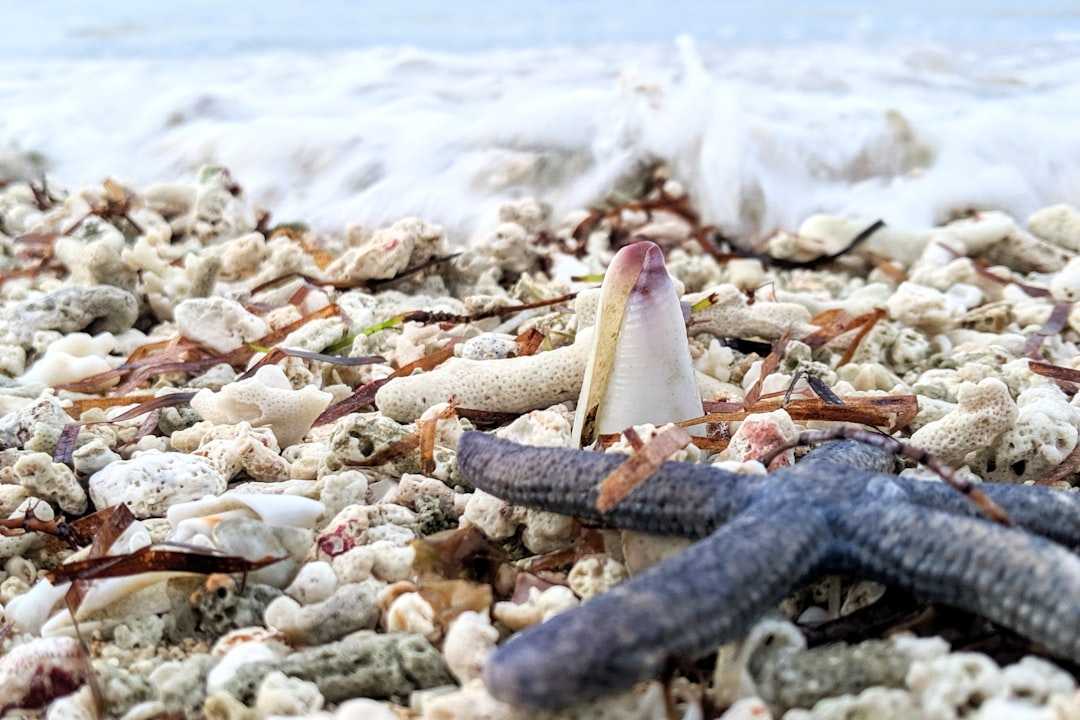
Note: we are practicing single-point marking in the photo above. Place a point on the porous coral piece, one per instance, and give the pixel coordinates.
(1039, 439)
(280, 695)
(98, 308)
(387, 252)
(923, 308)
(350, 608)
(950, 687)
(218, 323)
(232, 448)
(512, 385)
(788, 676)
(875, 703)
(265, 399)
(151, 481)
(593, 574)
(1058, 224)
(996, 236)
(374, 666)
(732, 316)
(984, 411)
(54, 482)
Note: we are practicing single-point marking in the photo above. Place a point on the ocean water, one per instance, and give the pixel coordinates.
(338, 113)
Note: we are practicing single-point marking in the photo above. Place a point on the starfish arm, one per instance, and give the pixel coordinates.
(679, 499)
(851, 454)
(1021, 581)
(684, 607)
(1052, 513)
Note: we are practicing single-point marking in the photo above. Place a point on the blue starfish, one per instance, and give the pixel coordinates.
(760, 537)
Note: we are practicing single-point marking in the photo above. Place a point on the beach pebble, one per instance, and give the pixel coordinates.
(240, 447)
(1065, 285)
(314, 583)
(218, 323)
(1058, 224)
(265, 399)
(361, 665)
(34, 674)
(92, 456)
(95, 309)
(365, 709)
(758, 434)
(351, 607)
(387, 252)
(280, 694)
(151, 481)
(36, 427)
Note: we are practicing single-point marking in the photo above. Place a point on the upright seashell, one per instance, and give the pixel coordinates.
(639, 370)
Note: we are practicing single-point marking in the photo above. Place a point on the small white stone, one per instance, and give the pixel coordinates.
(469, 641)
(539, 606)
(314, 583)
(410, 612)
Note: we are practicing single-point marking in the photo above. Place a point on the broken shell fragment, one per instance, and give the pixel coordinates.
(639, 370)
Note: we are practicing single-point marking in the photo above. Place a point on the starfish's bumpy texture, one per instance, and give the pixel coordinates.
(763, 536)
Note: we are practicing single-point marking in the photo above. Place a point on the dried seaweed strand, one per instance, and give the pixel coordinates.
(969, 489)
(821, 260)
(1054, 324)
(642, 463)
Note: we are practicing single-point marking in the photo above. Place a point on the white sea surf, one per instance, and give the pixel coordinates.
(335, 113)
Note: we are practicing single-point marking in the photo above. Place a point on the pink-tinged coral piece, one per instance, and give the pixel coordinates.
(35, 674)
